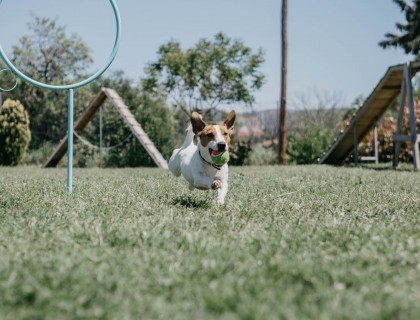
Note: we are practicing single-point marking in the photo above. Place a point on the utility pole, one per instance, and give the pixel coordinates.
(282, 123)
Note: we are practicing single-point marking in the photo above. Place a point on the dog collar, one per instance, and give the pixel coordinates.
(214, 166)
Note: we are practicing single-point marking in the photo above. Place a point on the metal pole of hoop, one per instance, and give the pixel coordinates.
(69, 88)
(70, 113)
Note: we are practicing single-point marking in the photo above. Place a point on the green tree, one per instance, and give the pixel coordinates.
(409, 37)
(210, 73)
(49, 55)
(306, 149)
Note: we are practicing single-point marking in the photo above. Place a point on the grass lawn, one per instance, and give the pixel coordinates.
(296, 242)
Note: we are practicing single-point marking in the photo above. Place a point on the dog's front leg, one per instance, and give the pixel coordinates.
(221, 193)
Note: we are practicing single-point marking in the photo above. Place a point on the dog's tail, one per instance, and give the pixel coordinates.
(189, 137)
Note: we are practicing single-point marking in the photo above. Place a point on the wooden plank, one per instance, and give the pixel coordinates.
(90, 111)
(417, 152)
(366, 158)
(376, 144)
(58, 153)
(391, 87)
(386, 94)
(402, 138)
(356, 144)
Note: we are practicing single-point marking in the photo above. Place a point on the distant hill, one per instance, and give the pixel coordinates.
(258, 124)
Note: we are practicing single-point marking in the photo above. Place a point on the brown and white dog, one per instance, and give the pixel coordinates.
(194, 161)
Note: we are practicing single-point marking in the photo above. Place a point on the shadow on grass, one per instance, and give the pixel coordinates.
(188, 201)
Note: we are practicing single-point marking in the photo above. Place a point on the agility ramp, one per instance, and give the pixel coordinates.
(396, 80)
(119, 105)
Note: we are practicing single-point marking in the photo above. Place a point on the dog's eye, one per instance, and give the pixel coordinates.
(210, 135)
(225, 134)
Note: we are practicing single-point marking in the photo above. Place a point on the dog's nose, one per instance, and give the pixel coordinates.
(221, 146)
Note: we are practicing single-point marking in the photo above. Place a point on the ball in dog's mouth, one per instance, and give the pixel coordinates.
(219, 158)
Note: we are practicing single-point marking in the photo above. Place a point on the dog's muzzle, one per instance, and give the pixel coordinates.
(221, 146)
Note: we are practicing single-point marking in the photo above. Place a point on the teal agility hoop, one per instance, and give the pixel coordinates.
(70, 88)
(24, 77)
(7, 70)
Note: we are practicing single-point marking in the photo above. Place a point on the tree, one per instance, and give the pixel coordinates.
(222, 71)
(409, 37)
(48, 55)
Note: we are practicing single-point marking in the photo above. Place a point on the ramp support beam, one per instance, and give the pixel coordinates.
(407, 97)
(356, 145)
(375, 157)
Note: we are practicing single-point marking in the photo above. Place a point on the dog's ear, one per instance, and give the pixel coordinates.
(230, 120)
(197, 122)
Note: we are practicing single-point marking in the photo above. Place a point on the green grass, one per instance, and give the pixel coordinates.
(296, 242)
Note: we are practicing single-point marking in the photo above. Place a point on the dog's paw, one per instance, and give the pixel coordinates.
(217, 184)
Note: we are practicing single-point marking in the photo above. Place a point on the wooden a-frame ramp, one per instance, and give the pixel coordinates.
(129, 119)
(396, 80)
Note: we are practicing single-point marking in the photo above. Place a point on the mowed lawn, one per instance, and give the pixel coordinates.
(295, 242)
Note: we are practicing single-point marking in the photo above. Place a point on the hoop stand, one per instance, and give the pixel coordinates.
(70, 134)
(69, 88)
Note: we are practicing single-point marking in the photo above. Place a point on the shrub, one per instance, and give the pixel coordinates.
(38, 156)
(238, 152)
(306, 148)
(14, 132)
(260, 156)
(85, 156)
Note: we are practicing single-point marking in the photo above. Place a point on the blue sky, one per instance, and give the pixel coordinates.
(333, 46)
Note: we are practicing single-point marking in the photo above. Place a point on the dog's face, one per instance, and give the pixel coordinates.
(214, 139)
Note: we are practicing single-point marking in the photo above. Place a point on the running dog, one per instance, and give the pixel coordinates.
(196, 162)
